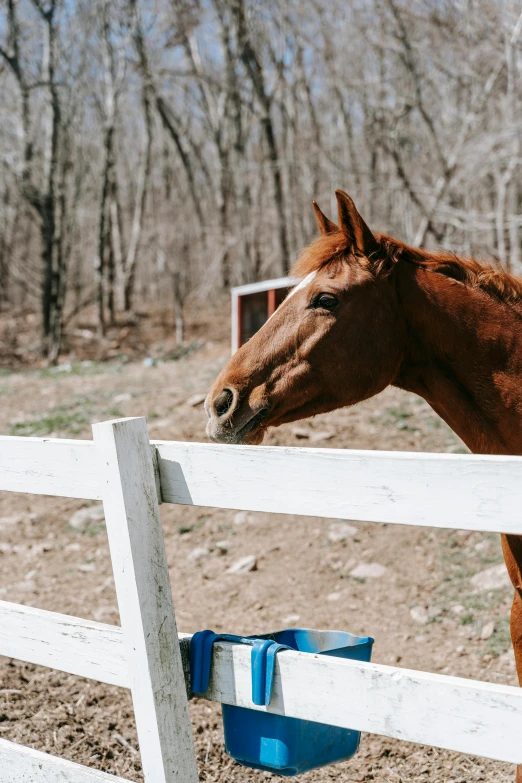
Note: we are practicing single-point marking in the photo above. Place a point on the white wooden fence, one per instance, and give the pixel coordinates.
(132, 475)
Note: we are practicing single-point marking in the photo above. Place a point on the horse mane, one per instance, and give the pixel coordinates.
(331, 249)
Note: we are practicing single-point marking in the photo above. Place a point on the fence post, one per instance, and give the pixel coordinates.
(144, 595)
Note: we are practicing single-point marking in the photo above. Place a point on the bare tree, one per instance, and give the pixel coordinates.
(184, 140)
(253, 63)
(45, 193)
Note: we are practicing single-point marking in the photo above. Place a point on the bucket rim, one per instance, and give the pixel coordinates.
(360, 639)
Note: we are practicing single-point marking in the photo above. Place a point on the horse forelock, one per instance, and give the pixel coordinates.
(326, 250)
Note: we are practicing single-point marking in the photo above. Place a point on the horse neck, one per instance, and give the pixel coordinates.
(464, 357)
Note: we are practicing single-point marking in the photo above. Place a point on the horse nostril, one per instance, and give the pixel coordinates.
(223, 402)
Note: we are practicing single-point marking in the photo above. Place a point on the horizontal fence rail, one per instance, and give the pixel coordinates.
(448, 712)
(460, 491)
(19, 764)
(70, 644)
(468, 716)
(471, 492)
(49, 466)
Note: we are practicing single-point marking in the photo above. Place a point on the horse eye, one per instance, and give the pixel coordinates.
(325, 301)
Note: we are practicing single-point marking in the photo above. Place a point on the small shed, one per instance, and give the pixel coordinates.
(253, 304)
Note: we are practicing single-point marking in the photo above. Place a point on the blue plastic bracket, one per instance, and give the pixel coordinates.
(262, 662)
(201, 646)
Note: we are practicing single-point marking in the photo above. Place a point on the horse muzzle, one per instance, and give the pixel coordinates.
(230, 421)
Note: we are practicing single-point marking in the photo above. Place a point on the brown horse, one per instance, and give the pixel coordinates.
(369, 312)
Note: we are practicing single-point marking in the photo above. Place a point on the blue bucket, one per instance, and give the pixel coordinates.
(264, 740)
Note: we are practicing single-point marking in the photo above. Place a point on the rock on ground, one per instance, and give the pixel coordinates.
(317, 435)
(493, 578)
(368, 571)
(243, 565)
(242, 518)
(124, 397)
(487, 630)
(419, 614)
(81, 519)
(314, 436)
(333, 596)
(196, 399)
(198, 554)
(423, 614)
(340, 531)
(11, 521)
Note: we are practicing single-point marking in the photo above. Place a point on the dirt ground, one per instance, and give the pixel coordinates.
(422, 610)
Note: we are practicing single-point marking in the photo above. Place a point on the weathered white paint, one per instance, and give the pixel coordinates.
(454, 713)
(461, 491)
(70, 644)
(447, 712)
(142, 582)
(19, 764)
(471, 492)
(48, 466)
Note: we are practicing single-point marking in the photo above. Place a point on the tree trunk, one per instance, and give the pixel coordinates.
(255, 71)
(100, 260)
(139, 210)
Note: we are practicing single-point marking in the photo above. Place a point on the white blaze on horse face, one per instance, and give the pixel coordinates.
(299, 287)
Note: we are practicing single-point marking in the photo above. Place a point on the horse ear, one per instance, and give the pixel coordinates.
(352, 224)
(326, 226)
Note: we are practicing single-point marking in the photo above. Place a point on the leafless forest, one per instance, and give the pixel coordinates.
(154, 150)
